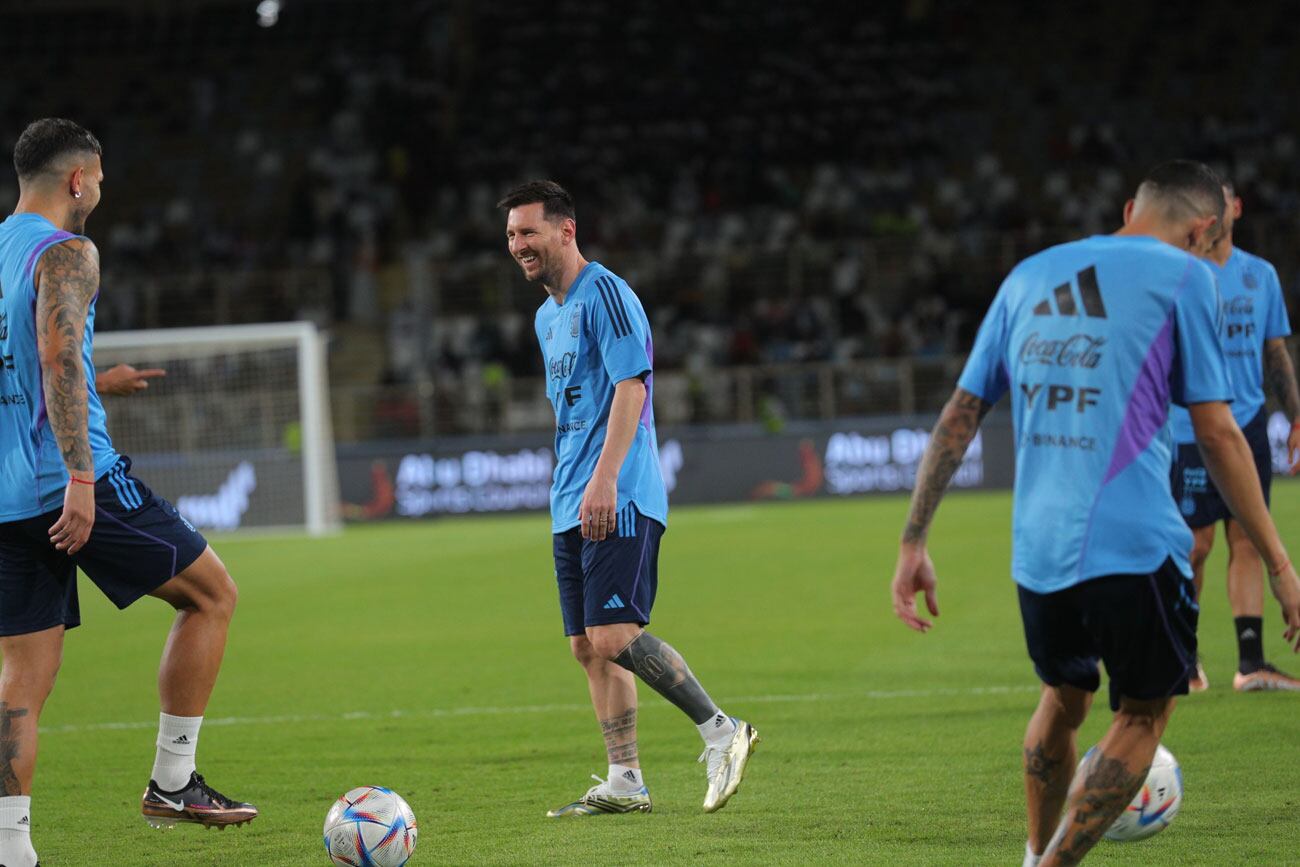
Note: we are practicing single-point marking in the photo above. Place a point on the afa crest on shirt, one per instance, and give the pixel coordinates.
(1248, 278)
(575, 319)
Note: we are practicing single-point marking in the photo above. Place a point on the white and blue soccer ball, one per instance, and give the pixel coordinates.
(1155, 805)
(370, 827)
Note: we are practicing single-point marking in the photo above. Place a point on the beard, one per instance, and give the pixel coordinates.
(548, 272)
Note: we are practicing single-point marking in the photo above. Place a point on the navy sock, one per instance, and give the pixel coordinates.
(1250, 643)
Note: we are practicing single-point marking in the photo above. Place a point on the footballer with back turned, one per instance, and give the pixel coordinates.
(609, 507)
(1099, 550)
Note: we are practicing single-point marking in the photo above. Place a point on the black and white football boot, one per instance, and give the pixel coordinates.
(197, 803)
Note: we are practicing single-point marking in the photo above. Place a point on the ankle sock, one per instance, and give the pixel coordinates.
(1250, 643)
(718, 729)
(625, 780)
(16, 831)
(178, 740)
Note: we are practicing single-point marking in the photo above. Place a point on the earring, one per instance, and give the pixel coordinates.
(77, 194)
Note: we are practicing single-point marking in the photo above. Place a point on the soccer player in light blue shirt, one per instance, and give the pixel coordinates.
(609, 507)
(1093, 340)
(68, 501)
(1255, 329)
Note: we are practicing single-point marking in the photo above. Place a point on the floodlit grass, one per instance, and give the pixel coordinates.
(429, 658)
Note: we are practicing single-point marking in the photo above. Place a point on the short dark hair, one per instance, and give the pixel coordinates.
(1185, 188)
(555, 199)
(48, 139)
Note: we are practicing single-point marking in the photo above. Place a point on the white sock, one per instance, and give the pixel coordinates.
(178, 739)
(16, 831)
(624, 779)
(718, 729)
(1031, 860)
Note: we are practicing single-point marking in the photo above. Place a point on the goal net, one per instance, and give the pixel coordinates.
(237, 434)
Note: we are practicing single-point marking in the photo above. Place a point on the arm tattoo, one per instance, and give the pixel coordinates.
(68, 280)
(617, 730)
(9, 749)
(1279, 373)
(944, 453)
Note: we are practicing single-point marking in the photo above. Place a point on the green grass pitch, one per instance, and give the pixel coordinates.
(428, 657)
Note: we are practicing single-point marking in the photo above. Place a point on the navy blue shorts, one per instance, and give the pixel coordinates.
(1143, 627)
(138, 543)
(613, 581)
(1194, 492)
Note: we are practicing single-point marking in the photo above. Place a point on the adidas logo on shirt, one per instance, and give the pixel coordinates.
(1089, 292)
(614, 602)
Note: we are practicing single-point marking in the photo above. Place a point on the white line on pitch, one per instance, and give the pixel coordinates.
(440, 712)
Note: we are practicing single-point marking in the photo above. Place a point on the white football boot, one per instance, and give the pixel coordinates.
(725, 765)
(601, 799)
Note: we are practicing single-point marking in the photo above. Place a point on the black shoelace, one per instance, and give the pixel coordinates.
(213, 795)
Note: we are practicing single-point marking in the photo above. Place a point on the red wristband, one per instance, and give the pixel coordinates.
(1280, 569)
(76, 481)
(1295, 425)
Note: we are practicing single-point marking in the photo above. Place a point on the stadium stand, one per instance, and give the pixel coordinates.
(863, 180)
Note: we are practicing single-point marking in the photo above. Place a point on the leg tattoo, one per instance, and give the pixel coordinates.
(1047, 784)
(620, 737)
(9, 749)
(664, 671)
(1107, 789)
(1044, 768)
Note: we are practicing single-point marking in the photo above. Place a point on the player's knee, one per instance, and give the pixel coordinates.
(1241, 550)
(608, 642)
(1201, 546)
(1067, 705)
(214, 595)
(583, 651)
(222, 595)
(29, 676)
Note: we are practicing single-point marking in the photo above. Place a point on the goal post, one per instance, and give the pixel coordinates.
(237, 434)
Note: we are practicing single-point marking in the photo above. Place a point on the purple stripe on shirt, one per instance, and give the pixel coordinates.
(41, 413)
(42, 247)
(1148, 405)
(647, 408)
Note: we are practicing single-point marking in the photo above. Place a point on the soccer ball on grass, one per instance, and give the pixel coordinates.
(368, 826)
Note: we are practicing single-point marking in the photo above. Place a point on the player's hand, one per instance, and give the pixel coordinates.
(124, 379)
(599, 504)
(72, 530)
(1286, 587)
(914, 574)
(1293, 449)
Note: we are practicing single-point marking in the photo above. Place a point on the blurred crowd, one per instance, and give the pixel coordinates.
(779, 182)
